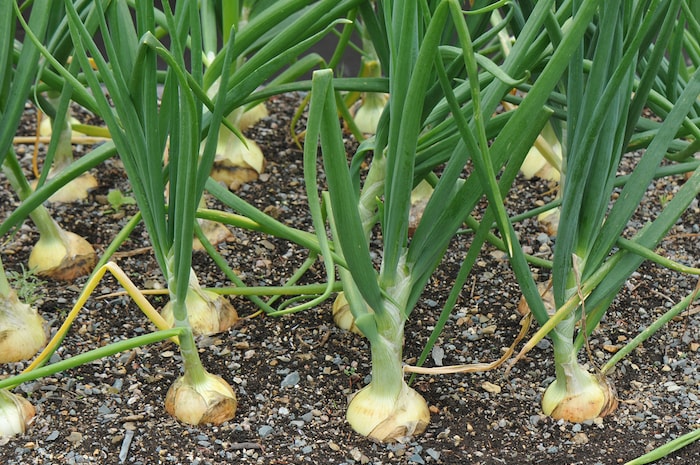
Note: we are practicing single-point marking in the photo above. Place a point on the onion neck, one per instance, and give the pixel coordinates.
(565, 354)
(387, 354)
(64, 149)
(372, 190)
(188, 348)
(387, 347)
(194, 370)
(47, 227)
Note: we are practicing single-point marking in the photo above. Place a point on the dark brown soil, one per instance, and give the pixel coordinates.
(292, 374)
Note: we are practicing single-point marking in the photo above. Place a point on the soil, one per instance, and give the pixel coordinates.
(292, 374)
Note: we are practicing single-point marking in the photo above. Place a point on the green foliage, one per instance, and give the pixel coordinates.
(117, 199)
(27, 285)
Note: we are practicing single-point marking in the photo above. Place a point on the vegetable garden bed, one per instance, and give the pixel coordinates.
(292, 375)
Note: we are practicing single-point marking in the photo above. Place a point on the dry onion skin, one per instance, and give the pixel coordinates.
(22, 330)
(210, 400)
(550, 221)
(215, 232)
(251, 117)
(420, 196)
(16, 414)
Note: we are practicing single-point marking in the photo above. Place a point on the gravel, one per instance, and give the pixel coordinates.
(293, 374)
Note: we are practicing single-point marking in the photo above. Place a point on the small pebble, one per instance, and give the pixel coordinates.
(74, 437)
(490, 387)
(292, 379)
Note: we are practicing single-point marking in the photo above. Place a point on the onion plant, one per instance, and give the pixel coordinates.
(270, 37)
(143, 129)
(157, 132)
(269, 43)
(369, 106)
(430, 81)
(238, 159)
(59, 254)
(609, 81)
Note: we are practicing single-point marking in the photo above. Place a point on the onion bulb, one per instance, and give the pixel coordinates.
(76, 189)
(237, 161)
(391, 418)
(214, 231)
(208, 312)
(46, 128)
(22, 332)
(16, 413)
(579, 396)
(62, 256)
(544, 159)
(369, 111)
(251, 117)
(210, 400)
(550, 221)
(342, 316)
(420, 195)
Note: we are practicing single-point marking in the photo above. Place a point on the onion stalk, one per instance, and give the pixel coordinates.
(16, 413)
